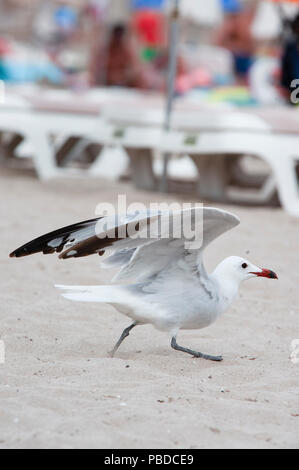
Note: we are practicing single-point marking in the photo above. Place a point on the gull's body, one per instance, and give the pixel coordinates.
(175, 299)
(167, 284)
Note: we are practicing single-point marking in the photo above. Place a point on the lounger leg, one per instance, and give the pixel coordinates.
(174, 345)
(287, 183)
(142, 168)
(213, 176)
(44, 156)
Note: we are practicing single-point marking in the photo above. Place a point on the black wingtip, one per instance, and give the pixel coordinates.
(41, 244)
(18, 253)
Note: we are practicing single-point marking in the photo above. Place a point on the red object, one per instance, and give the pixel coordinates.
(5, 47)
(150, 27)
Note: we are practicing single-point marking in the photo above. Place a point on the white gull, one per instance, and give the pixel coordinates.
(167, 284)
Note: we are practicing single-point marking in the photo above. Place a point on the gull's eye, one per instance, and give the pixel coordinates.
(244, 265)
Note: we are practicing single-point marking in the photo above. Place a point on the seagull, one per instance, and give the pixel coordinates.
(161, 277)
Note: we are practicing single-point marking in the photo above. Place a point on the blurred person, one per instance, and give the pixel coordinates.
(160, 66)
(122, 67)
(235, 35)
(290, 58)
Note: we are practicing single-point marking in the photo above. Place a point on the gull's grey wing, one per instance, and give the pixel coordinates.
(215, 223)
(148, 260)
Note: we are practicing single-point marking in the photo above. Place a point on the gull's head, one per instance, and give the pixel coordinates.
(239, 269)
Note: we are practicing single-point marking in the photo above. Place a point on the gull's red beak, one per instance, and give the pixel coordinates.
(266, 273)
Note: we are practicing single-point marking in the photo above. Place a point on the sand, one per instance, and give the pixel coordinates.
(60, 389)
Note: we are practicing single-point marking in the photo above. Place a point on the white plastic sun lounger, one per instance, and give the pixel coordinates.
(38, 120)
(269, 134)
(38, 127)
(38, 115)
(213, 139)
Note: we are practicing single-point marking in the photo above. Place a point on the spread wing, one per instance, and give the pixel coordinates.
(141, 245)
(90, 237)
(149, 259)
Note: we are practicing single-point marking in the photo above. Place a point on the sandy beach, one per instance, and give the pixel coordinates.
(60, 389)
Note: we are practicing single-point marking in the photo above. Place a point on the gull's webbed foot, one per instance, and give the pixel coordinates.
(174, 345)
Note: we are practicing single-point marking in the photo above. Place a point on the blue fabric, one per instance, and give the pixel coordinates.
(290, 64)
(152, 4)
(66, 17)
(231, 6)
(20, 72)
(242, 63)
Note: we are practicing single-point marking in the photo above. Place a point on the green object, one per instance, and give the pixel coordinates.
(190, 140)
(119, 133)
(149, 53)
(236, 95)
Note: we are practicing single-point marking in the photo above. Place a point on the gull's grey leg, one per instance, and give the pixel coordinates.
(174, 345)
(124, 334)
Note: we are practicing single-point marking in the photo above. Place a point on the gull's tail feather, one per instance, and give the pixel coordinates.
(102, 294)
(116, 295)
(82, 297)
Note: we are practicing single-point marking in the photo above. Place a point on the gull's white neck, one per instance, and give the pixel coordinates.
(227, 287)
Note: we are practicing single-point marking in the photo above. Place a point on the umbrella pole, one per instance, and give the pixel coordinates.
(172, 62)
